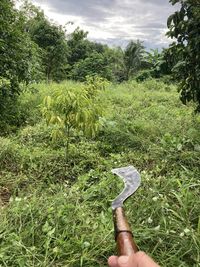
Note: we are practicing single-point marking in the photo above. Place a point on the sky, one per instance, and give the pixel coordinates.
(114, 22)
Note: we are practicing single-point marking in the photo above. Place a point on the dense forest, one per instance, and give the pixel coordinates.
(70, 111)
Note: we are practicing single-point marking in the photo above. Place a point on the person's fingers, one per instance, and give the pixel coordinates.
(139, 259)
(112, 261)
(127, 261)
(143, 260)
(123, 261)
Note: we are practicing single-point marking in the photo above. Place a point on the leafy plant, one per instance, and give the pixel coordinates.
(71, 109)
(94, 64)
(95, 84)
(143, 75)
(50, 38)
(19, 63)
(133, 55)
(184, 26)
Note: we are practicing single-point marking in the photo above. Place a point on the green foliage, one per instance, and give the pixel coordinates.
(89, 58)
(5, 89)
(94, 64)
(18, 53)
(184, 26)
(156, 64)
(143, 75)
(59, 212)
(72, 109)
(95, 84)
(116, 59)
(153, 57)
(19, 63)
(12, 113)
(56, 56)
(133, 55)
(50, 38)
(78, 46)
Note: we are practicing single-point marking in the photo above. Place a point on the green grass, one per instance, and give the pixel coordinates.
(59, 213)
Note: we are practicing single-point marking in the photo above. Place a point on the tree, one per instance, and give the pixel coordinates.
(158, 62)
(133, 55)
(51, 40)
(153, 57)
(184, 26)
(78, 46)
(18, 53)
(94, 64)
(90, 58)
(19, 59)
(72, 109)
(170, 59)
(115, 59)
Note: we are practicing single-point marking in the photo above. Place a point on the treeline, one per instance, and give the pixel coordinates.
(38, 49)
(34, 49)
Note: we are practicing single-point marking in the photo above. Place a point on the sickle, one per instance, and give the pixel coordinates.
(123, 234)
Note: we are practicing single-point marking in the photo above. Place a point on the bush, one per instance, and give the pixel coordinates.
(143, 75)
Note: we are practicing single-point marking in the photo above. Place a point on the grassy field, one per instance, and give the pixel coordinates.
(56, 209)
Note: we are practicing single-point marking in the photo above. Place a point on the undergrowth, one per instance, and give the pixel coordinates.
(57, 210)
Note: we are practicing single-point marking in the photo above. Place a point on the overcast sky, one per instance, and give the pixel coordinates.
(114, 22)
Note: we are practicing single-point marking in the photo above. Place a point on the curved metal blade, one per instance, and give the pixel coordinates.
(132, 180)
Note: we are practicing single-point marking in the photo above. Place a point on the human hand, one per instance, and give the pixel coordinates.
(139, 259)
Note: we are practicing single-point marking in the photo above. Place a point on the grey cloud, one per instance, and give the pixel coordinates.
(153, 25)
(155, 2)
(115, 42)
(144, 19)
(87, 9)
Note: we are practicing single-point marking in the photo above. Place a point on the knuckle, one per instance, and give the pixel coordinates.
(141, 254)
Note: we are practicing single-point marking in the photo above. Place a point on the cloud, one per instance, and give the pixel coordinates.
(155, 2)
(112, 21)
(87, 9)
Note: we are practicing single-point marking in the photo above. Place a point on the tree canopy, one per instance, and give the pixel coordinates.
(19, 60)
(133, 55)
(18, 52)
(184, 26)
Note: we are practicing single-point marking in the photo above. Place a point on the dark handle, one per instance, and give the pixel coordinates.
(123, 235)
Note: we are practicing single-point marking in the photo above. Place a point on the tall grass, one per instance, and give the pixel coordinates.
(59, 213)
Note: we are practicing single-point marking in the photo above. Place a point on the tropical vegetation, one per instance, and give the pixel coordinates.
(71, 110)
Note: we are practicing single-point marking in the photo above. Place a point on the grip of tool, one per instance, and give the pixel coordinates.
(123, 235)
